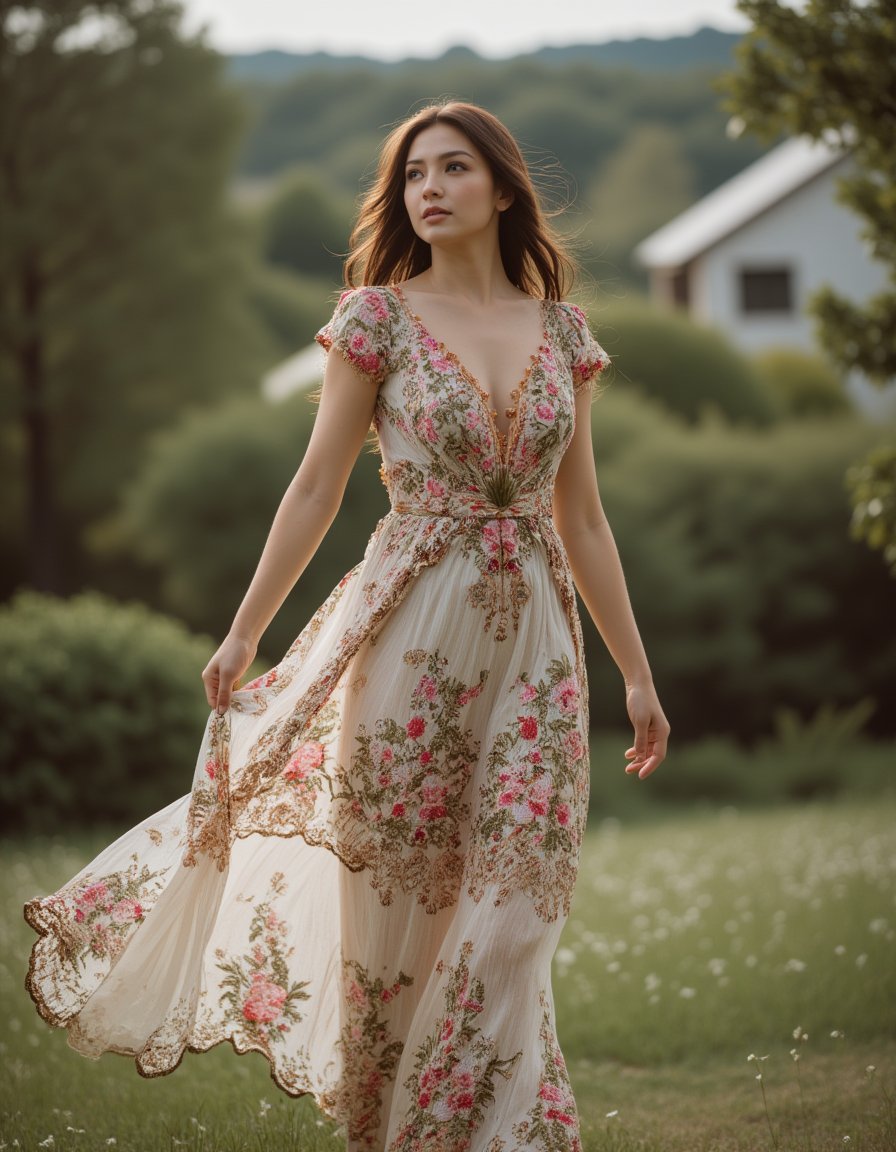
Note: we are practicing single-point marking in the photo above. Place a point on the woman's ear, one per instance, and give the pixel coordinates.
(505, 199)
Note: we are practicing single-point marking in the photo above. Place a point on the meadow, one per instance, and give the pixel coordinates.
(703, 950)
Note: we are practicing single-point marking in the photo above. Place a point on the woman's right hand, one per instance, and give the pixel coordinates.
(223, 672)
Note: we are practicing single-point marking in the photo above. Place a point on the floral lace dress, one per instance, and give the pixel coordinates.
(369, 876)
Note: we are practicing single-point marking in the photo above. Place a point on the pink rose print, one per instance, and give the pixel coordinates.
(415, 727)
(469, 694)
(265, 1000)
(528, 693)
(375, 307)
(435, 488)
(426, 687)
(566, 694)
(545, 412)
(211, 769)
(528, 727)
(304, 761)
(126, 911)
(573, 746)
(93, 896)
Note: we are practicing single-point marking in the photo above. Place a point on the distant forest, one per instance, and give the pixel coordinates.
(624, 135)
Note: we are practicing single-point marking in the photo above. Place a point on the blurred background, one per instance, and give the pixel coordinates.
(174, 217)
(177, 186)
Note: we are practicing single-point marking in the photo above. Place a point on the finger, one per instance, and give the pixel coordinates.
(210, 682)
(224, 695)
(653, 762)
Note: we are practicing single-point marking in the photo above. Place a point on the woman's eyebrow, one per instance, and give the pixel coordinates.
(446, 156)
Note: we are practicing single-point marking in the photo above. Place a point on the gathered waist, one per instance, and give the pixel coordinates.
(475, 509)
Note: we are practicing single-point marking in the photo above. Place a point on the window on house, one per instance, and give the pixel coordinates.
(766, 290)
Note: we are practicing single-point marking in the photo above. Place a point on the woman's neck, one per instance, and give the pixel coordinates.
(473, 274)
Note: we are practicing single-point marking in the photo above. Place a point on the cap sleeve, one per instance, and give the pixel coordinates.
(360, 330)
(584, 356)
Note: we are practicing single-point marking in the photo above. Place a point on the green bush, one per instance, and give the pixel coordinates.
(103, 710)
(748, 591)
(825, 756)
(201, 509)
(306, 228)
(801, 384)
(689, 368)
(291, 307)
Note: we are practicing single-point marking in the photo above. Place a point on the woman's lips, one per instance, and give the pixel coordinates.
(435, 213)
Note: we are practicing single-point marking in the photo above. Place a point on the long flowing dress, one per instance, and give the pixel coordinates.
(369, 876)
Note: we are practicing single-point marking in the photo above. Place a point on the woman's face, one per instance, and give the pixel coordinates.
(449, 190)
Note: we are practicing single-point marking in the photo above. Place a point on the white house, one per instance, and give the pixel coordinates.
(747, 257)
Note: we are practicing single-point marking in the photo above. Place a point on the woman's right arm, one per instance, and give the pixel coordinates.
(306, 512)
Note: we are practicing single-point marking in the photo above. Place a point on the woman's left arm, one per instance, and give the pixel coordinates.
(594, 559)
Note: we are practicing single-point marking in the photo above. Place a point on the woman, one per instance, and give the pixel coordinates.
(429, 726)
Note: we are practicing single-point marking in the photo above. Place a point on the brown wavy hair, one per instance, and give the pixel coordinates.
(383, 246)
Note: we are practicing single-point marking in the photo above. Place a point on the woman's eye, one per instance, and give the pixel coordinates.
(457, 164)
(411, 173)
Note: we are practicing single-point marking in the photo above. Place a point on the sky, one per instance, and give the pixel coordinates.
(391, 31)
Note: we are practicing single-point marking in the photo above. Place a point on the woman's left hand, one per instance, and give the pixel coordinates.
(651, 730)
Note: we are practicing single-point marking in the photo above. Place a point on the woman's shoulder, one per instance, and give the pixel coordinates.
(362, 328)
(584, 355)
(374, 302)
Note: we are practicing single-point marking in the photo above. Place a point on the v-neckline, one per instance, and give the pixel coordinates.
(503, 440)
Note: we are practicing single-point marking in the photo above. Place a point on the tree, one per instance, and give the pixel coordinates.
(121, 263)
(306, 230)
(826, 70)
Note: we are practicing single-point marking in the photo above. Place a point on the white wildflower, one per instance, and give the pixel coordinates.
(615, 1112)
(794, 965)
(687, 993)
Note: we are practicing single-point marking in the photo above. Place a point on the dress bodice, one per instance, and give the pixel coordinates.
(441, 447)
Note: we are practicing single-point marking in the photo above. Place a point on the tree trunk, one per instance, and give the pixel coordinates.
(41, 525)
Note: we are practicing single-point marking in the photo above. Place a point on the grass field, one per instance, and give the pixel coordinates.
(693, 943)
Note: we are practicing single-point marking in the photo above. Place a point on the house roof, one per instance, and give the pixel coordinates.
(758, 187)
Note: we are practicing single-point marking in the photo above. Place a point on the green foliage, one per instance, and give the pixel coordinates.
(824, 756)
(291, 307)
(872, 486)
(689, 368)
(103, 710)
(801, 384)
(646, 181)
(306, 228)
(200, 511)
(122, 262)
(825, 69)
(747, 594)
